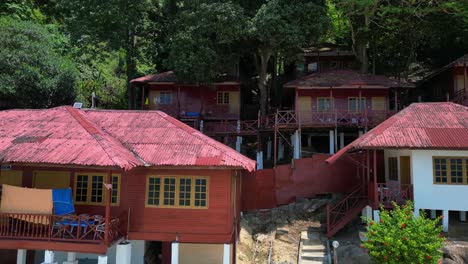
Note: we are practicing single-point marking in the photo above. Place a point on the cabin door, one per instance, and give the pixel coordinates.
(405, 170)
(304, 107)
(51, 179)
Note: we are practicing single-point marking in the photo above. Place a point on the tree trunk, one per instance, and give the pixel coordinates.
(262, 81)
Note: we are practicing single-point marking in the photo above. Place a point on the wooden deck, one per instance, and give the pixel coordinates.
(291, 119)
(39, 231)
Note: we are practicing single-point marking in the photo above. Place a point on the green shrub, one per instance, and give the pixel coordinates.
(400, 237)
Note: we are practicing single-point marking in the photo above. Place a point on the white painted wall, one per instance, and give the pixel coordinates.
(428, 195)
(138, 253)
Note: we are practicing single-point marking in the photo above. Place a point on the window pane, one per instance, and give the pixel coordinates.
(154, 186)
(393, 168)
(201, 193)
(169, 191)
(440, 170)
(185, 189)
(97, 189)
(352, 104)
(81, 192)
(323, 104)
(456, 171)
(115, 189)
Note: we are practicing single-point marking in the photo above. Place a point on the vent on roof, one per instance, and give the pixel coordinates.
(77, 105)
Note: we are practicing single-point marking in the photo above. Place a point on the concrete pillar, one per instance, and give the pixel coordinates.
(416, 212)
(269, 148)
(462, 216)
(342, 140)
(71, 258)
(360, 133)
(123, 254)
(102, 259)
(49, 257)
(175, 253)
(260, 160)
(238, 144)
(445, 220)
(376, 215)
(201, 126)
(366, 213)
(21, 256)
(280, 149)
(332, 142)
(297, 145)
(227, 254)
(309, 141)
(433, 214)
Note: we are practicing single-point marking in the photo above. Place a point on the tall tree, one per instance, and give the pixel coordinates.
(118, 23)
(206, 42)
(282, 28)
(34, 71)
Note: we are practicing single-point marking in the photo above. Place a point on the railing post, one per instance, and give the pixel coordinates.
(328, 218)
(108, 199)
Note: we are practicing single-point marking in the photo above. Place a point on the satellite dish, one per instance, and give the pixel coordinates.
(77, 105)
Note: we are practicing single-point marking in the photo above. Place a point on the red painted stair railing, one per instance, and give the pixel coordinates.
(341, 213)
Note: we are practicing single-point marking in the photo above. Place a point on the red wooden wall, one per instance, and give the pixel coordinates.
(217, 224)
(198, 99)
(212, 225)
(303, 178)
(340, 96)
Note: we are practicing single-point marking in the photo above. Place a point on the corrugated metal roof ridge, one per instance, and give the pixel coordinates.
(225, 149)
(93, 130)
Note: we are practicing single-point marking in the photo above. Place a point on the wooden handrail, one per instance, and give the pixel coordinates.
(59, 228)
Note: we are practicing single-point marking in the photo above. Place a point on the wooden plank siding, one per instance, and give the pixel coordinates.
(216, 224)
(212, 225)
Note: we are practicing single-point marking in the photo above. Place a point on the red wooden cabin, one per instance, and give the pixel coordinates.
(343, 98)
(449, 83)
(171, 191)
(188, 102)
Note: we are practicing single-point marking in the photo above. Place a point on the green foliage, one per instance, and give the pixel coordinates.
(206, 41)
(400, 237)
(103, 73)
(22, 10)
(34, 72)
(287, 26)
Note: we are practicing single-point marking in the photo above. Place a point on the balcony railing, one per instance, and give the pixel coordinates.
(394, 192)
(343, 118)
(62, 228)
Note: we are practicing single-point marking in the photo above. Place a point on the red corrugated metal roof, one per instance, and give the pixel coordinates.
(126, 139)
(170, 77)
(344, 79)
(419, 126)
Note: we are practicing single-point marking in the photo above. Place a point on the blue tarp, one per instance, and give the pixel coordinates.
(63, 201)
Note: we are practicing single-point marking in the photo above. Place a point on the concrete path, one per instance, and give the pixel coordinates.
(312, 249)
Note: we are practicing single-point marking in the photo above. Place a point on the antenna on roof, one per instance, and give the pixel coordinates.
(77, 105)
(93, 97)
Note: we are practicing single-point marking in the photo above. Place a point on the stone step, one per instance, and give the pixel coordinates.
(313, 254)
(312, 242)
(313, 262)
(312, 246)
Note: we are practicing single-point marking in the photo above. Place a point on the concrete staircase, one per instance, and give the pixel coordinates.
(312, 249)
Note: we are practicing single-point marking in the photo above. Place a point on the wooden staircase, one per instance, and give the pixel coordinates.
(341, 213)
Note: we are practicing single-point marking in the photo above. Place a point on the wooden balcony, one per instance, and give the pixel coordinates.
(343, 118)
(249, 127)
(390, 192)
(61, 232)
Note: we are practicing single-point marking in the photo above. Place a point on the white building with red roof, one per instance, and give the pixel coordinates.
(424, 153)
